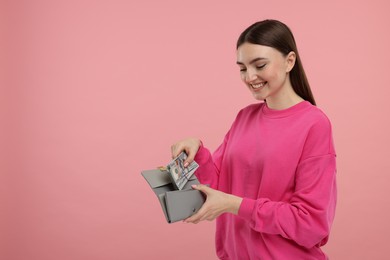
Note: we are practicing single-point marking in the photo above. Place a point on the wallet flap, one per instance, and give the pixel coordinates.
(193, 177)
(181, 204)
(156, 178)
(161, 198)
(191, 181)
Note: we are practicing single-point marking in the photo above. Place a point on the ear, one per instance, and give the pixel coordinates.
(290, 61)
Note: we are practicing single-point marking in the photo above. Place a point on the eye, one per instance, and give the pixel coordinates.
(259, 67)
(242, 68)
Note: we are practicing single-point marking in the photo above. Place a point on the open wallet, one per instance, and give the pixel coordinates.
(176, 204)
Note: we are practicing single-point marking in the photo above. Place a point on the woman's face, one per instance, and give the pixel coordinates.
(265, 71)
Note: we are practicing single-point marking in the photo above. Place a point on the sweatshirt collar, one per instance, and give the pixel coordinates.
(274, 113)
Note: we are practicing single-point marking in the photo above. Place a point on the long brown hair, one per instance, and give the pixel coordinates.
(275, 34)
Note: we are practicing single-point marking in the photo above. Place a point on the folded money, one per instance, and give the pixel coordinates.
(180, 174)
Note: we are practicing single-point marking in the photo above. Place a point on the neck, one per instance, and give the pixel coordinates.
(284, 99)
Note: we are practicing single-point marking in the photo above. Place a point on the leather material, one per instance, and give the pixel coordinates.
(176, 204)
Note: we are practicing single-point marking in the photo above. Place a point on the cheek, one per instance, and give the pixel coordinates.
(242, 76)
(274, 74)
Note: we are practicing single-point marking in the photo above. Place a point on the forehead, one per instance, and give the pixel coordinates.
(248, 51)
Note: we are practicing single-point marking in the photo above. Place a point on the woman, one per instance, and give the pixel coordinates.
(272, 180)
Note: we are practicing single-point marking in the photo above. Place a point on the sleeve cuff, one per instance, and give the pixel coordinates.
(246, 208)
(203, 155)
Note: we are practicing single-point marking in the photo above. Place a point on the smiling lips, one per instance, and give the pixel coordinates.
(258, 85)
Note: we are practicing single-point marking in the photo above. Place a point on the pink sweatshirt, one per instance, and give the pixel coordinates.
(282, 163)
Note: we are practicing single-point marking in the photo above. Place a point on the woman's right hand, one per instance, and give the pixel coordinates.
(190, 146)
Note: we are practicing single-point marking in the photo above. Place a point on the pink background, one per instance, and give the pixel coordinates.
(93, 92)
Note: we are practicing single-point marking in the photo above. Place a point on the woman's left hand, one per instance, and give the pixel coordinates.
(217, 203)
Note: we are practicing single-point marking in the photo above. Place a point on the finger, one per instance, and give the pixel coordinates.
(173, 150)
(176, 149)
(194, 218)
(190, 156)
(197, 217)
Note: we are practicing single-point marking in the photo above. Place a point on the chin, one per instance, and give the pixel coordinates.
(259, 98)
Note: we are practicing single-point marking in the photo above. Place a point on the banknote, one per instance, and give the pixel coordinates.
(180, 174)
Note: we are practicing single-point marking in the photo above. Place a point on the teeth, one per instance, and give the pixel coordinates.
(259, 85)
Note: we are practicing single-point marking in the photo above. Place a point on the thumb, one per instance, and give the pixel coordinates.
(190, 157)
(203, 188)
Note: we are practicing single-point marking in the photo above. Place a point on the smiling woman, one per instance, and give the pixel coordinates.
(276, 42)
(273, 179)
(267, 77)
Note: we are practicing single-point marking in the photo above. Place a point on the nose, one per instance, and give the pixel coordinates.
(250, 76)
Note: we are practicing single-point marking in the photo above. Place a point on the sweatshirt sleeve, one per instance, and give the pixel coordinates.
(210, 165)
(307, 217)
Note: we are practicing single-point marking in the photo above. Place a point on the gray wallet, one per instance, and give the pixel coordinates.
(176, 204)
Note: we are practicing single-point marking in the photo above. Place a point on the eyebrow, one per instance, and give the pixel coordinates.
(252, 61)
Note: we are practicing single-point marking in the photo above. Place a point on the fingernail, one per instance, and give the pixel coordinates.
(193, 186)
(185, 164)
